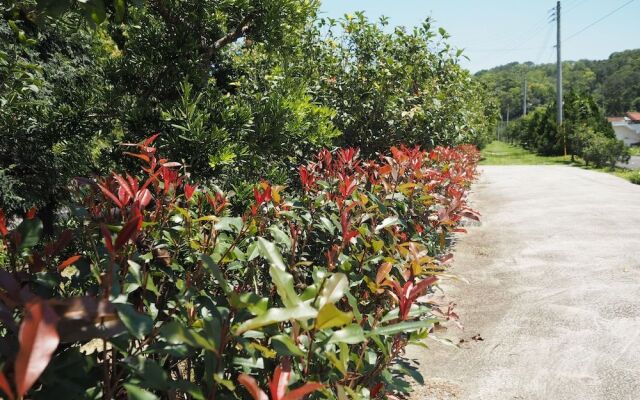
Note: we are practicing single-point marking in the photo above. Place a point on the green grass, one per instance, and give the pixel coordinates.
(634, 150)
(501, 153)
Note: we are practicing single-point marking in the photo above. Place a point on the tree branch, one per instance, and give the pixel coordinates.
(232, 36)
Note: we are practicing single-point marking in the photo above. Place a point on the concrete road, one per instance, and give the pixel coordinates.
(634, 163)
(552, 307)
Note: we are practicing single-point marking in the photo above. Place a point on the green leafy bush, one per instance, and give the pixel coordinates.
(396, 86)
(601, 151)
(157, 289)
(635, 178)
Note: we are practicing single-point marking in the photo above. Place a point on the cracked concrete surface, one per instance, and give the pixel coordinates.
(553, 292)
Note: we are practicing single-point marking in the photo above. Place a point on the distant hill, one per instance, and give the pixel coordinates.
(614, 83)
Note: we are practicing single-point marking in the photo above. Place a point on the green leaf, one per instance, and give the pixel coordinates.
(252, 363)
(284, 285)
(383, 346)
(336, 363)
(152, 374)
(334, 288)
(301, 312)
(219, 379)
(351, 334)
(229, 224)
(330, 317)
(387, 222)
(271, 253)
(327, 224)
(354, 306)
(404, 327)
(254, 303)
(217, 274)
(139, 325)
(285, 346)
(279, 236)
(134, 392)
(30, 231)
(377, 245)
(176, 333)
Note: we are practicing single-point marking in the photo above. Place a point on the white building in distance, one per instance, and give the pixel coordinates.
(627, 128)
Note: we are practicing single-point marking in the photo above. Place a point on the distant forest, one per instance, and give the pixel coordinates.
(613, 83)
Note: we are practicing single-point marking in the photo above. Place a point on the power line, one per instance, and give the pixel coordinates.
(599, 20)
(546, 45)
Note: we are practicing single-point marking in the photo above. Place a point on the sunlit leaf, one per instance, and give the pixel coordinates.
(351, 334)
(38, 339)
(330, 316)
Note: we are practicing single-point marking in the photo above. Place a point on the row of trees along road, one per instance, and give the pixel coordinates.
(585, 132)
(595, 89)
(239, 89)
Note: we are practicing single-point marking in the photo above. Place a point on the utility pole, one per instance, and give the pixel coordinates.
(524, 101)
(559, 79)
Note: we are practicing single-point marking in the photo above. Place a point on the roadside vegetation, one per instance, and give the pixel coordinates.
(162, 287)
(593, 90)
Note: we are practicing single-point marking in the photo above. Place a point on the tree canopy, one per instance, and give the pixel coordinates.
(240, 90)
(614, 83)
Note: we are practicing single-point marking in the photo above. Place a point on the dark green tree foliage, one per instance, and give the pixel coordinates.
(614, 83)
(585, 131)
(240, 90)
(53, 111)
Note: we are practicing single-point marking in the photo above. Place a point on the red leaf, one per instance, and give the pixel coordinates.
(302, 391)
(150, 180)
(143, 198)
(69, 261)
(32, 213)
(280, 380)
(107, 239)
(124, 184)
(150, 140)
(446, 259)
(110, 195)
(376, 389)
(128, 231)
(6, 388)
(252, 386)
(420, 287)
(470, 215)
(143, 157)
(188, 191)
(171, 164)
(3, 224)
(38, 340)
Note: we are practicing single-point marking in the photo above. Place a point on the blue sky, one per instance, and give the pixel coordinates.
(496, 32)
